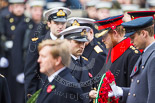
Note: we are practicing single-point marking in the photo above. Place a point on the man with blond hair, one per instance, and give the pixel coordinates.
(54, 57)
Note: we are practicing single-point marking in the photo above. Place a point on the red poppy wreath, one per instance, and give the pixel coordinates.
(104, 87)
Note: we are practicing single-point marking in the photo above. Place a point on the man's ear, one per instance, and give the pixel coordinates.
(48, 24)
(58, 61)
(115, 34)
(91, 31)
(144, 33)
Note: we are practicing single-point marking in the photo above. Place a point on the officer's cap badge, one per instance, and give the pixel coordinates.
(60, 13)
(75, 23)
(83, 32)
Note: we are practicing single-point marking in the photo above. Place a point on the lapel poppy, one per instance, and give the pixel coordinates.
(90, 75)
(50, 88)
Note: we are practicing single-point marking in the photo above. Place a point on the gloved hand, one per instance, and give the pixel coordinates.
(4, 62)
(118, 92)
(20, 78)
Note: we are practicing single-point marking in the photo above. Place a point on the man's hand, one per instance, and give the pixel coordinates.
(126, 17)
(117, 93)
(92, 94)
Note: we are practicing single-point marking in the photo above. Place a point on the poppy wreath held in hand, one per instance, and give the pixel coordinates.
(103, 89)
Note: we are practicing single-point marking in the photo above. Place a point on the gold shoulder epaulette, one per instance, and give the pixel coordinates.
(35, 39)
(84, 58)
(98, 49)
(2, 76)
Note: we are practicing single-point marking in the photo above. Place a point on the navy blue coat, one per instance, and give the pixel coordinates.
(4, 91)
(63, 92)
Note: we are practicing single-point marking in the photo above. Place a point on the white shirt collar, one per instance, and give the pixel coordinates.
(54, 37)
(50, 78)
(74, 57)
(148, 46)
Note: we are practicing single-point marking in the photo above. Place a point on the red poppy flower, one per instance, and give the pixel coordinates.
(50, 88)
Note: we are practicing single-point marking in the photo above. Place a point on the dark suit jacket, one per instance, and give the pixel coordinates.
(66, 90)
(4, 91)
(142, 89)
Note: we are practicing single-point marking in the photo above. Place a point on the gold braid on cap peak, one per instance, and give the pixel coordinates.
(75, 23)
(61, 13)
(97, 35)
(133, 17)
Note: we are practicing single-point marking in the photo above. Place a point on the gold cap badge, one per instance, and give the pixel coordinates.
(60, 13)
(75, 23)
(83, 32)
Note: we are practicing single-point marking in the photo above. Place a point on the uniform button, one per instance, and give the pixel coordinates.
(11, 20)
(30, 26)
(134, 95)
(13, 27)
(142, 67)
(131, 80)
(138, 81)
(128, 94)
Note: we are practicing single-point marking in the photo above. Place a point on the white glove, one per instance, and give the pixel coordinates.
(118, 92)
(4, 62)
(20, 78)
(9, 44)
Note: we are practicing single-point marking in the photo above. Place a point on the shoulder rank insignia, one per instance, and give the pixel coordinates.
(7, 16)
(2, 76)
(84, 58)
(34, 39)
(98, 49)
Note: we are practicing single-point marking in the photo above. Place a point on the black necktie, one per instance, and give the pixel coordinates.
(78, 62)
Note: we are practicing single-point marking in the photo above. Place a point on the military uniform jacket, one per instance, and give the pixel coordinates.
(11, 25)
(34, 80)
(142, 89)
(26, 30)
(4, 91)
(66, 90)
(82, 73)
(120, 61)
(96, 55)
